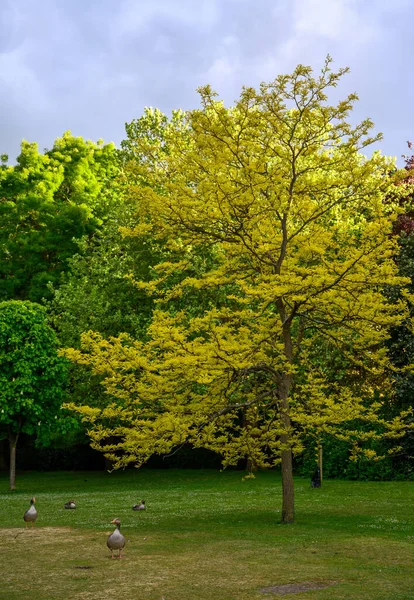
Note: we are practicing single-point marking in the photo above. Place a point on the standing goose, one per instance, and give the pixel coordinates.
(116, 540)
(140, 506)
(30, 515)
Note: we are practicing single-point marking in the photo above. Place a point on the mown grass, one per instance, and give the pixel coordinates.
(205, 535)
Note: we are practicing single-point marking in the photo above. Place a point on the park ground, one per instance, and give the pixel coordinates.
(206, 535)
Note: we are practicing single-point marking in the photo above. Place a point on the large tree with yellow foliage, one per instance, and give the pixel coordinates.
(280, 230)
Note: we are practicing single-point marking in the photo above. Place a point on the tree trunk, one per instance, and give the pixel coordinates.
(13, 437)
(285, 386)
(320, 461)
(250, 466)
(288, 496)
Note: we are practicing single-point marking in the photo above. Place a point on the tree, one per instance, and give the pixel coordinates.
(32, 375)
(48, 202)
(401, 343)
(97, 291)
(278, 190)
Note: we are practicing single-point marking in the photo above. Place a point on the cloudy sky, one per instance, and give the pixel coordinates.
(91, 65)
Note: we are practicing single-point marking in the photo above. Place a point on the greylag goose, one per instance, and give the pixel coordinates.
(70, 504)
(30, 515)
(140, 506)
(116, 540)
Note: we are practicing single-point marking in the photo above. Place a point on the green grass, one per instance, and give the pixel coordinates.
(205, 535)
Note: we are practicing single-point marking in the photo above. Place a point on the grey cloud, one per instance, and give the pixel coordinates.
(91, 65)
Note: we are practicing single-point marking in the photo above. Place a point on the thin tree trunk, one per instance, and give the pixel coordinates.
(251, 466)
(320, 461)
(13, 437)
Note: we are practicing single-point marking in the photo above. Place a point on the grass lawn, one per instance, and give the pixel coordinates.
(205, 535)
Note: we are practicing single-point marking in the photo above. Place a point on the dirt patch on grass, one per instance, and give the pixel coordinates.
(43, 534)
(295, 588)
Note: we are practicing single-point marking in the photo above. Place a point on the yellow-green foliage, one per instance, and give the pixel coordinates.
(298, 220)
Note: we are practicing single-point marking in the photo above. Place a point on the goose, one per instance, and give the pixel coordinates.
(30, 515)
(116, 540)
(70, 504)
(140, 506)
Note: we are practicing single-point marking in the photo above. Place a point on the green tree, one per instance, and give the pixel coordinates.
(97, 294)
(401, 343)
(97, 290)
(48, 202)
(32, 375)
(278, 189)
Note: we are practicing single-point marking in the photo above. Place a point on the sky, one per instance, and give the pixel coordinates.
(89, 66)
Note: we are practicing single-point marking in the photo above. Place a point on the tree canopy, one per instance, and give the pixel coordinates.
(48, 202)
(32, 375)
(293, 217)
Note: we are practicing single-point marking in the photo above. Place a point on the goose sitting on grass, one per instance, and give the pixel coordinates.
(70, 504)
(140, 506)
(116, 540)
(30, 515)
